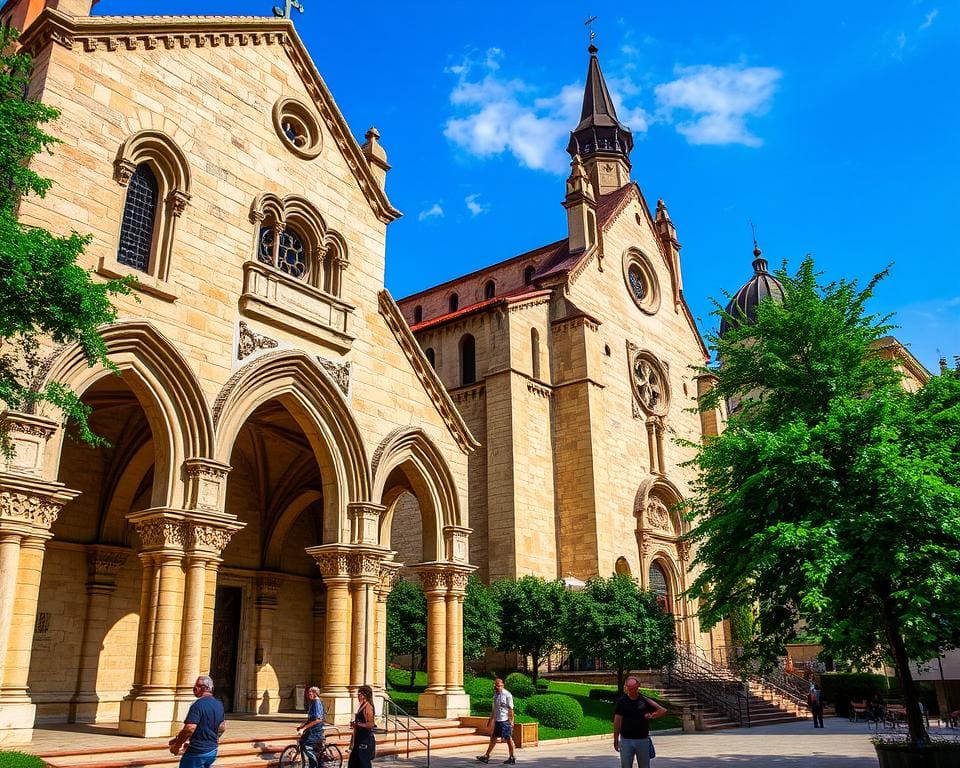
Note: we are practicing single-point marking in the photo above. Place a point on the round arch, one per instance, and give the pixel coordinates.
(410, 453)
(300, 384)
(164, 384)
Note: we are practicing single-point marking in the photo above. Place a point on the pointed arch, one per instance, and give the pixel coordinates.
(163, 383)
(300, 384)
(409, 454)
(277, 534)
(667, 492)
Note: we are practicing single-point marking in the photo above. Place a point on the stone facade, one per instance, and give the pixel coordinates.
(573, 366)
(271, 408)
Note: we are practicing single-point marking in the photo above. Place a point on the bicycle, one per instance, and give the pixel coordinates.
(328, 755)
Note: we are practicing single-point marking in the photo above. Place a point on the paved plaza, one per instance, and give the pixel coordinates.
(841, 744)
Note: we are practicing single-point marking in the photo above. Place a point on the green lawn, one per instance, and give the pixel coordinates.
(597, 715)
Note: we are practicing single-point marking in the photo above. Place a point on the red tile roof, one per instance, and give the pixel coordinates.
(508, 298)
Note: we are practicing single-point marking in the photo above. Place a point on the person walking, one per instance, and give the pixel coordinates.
(815, 700)
(631, 724)
(363, 745)
(310, 730)
(501, 721)
(202, 728)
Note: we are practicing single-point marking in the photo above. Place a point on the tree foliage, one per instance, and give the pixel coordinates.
(407, 623)
(833, 496)
(43, 292)
(481, 620)
(620, 622)
(533, 612)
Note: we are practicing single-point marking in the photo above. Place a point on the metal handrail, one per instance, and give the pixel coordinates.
(399, 715)
(717, 686)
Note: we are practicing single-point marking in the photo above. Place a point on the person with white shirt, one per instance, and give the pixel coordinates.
(501, 720)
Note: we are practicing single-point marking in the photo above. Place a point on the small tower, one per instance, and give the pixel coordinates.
(581, 208)
(376, 156)
(600, 139)
(671, 246)
(763, 285)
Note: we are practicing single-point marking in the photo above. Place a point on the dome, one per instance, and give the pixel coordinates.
(759, 287)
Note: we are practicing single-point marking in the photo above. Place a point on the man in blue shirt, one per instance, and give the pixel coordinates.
(202, 728)
(311, 730)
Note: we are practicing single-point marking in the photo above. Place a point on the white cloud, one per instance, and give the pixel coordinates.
(931, 15)
(473, 206)
(719, 100)
(433, 212)
(496, 114)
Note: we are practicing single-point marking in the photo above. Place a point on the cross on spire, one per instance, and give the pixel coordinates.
(288, 6)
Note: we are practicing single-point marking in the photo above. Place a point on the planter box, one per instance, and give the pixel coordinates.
(526, 734)
(903, 756)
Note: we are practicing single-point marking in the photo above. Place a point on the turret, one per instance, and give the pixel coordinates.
(581, 208)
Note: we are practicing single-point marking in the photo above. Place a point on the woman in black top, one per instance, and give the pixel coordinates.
(364, 745)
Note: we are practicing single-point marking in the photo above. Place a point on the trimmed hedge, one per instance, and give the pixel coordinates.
(556, 710)
(840, 688)
(20, 760)
(604, 694)
(519, 685)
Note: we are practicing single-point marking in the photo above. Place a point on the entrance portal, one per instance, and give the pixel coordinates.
(226, 637)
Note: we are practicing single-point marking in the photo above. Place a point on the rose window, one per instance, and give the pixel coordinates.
(650, 384)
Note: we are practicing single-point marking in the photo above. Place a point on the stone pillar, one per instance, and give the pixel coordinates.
(29, 505)
(265, 695)
(455, 597)
(103, 563)
(388, 577)
(319, 632)
(365, 576)
(150, 707)
(434, 583)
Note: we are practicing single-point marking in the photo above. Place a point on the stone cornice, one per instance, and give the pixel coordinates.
(176, 32)
(428, 377)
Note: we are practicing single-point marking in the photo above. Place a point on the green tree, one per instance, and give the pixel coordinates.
(481, 620)
(407, 623)
(533, 615)
(832, 496)
(43, 292)
(623, 624)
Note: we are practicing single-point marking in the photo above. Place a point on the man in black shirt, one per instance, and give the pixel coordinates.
(631, 729)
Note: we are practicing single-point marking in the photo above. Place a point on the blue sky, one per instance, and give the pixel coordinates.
(835, 127)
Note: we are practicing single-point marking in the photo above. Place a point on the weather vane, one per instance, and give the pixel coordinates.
(289, 5)
(753, 229)
(589, 23)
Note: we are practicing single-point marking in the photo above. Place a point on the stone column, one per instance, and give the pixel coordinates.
(103, 563)
(333, 561)
(266, 688)
(150, 707)
(28, 508)
(319, 632)
(365, 576)
(388, 577)
(455, 596)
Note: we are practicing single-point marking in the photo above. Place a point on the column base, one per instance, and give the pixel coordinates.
(17, 715)
(446, 705)
(340, 706)
(150, 714)
(86, 708)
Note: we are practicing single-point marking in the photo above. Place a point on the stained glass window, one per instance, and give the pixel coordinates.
(139, 216)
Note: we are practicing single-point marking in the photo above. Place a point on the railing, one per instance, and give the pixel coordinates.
(716, 686)
(403, 726)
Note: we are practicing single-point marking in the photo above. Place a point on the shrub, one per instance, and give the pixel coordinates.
(519, 685)
(478, 686)
(604, 694)
(20, 760)
(542, 686)
(840, 688)
(556, 710)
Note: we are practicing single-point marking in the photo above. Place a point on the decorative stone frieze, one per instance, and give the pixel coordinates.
(658, 516)
(339, 372)
(250, 342)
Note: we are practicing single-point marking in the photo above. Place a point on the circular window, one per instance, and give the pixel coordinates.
(650, 384)
(297, 126)
(641, 282)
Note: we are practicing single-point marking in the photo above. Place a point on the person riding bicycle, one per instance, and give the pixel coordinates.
(311, 730)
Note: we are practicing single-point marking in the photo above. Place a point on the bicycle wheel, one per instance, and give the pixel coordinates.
(291, 757)
(330, 757)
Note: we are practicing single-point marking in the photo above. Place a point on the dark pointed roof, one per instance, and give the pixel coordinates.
(599, 129)
(761, 286)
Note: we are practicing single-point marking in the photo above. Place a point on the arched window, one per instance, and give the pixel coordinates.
(285, 250)
(139, 219)
(658, 584)
(468, 360)
(528, 275)
(417, 314)
(535, 352)
(621, 567)
(489, 290)
(431, 357)
(454, 302)
(155, 177)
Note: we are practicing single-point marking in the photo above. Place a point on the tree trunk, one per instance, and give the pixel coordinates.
(536, 668)
(621, 679)
(911, 701)
(413, 669)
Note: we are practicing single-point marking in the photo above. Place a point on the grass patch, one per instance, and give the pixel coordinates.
(20, 760)
(597, 715)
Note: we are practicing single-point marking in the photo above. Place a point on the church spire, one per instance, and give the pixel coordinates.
(601, 140)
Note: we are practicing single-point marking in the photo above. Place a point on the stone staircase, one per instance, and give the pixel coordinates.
(259, 752)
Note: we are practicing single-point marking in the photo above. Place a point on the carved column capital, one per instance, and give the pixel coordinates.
(29, 506)
(268, 589)
(160, 530)
(208, 539)
(103, 564)
(389, 576)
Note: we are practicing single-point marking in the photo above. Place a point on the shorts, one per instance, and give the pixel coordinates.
(502, 729)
